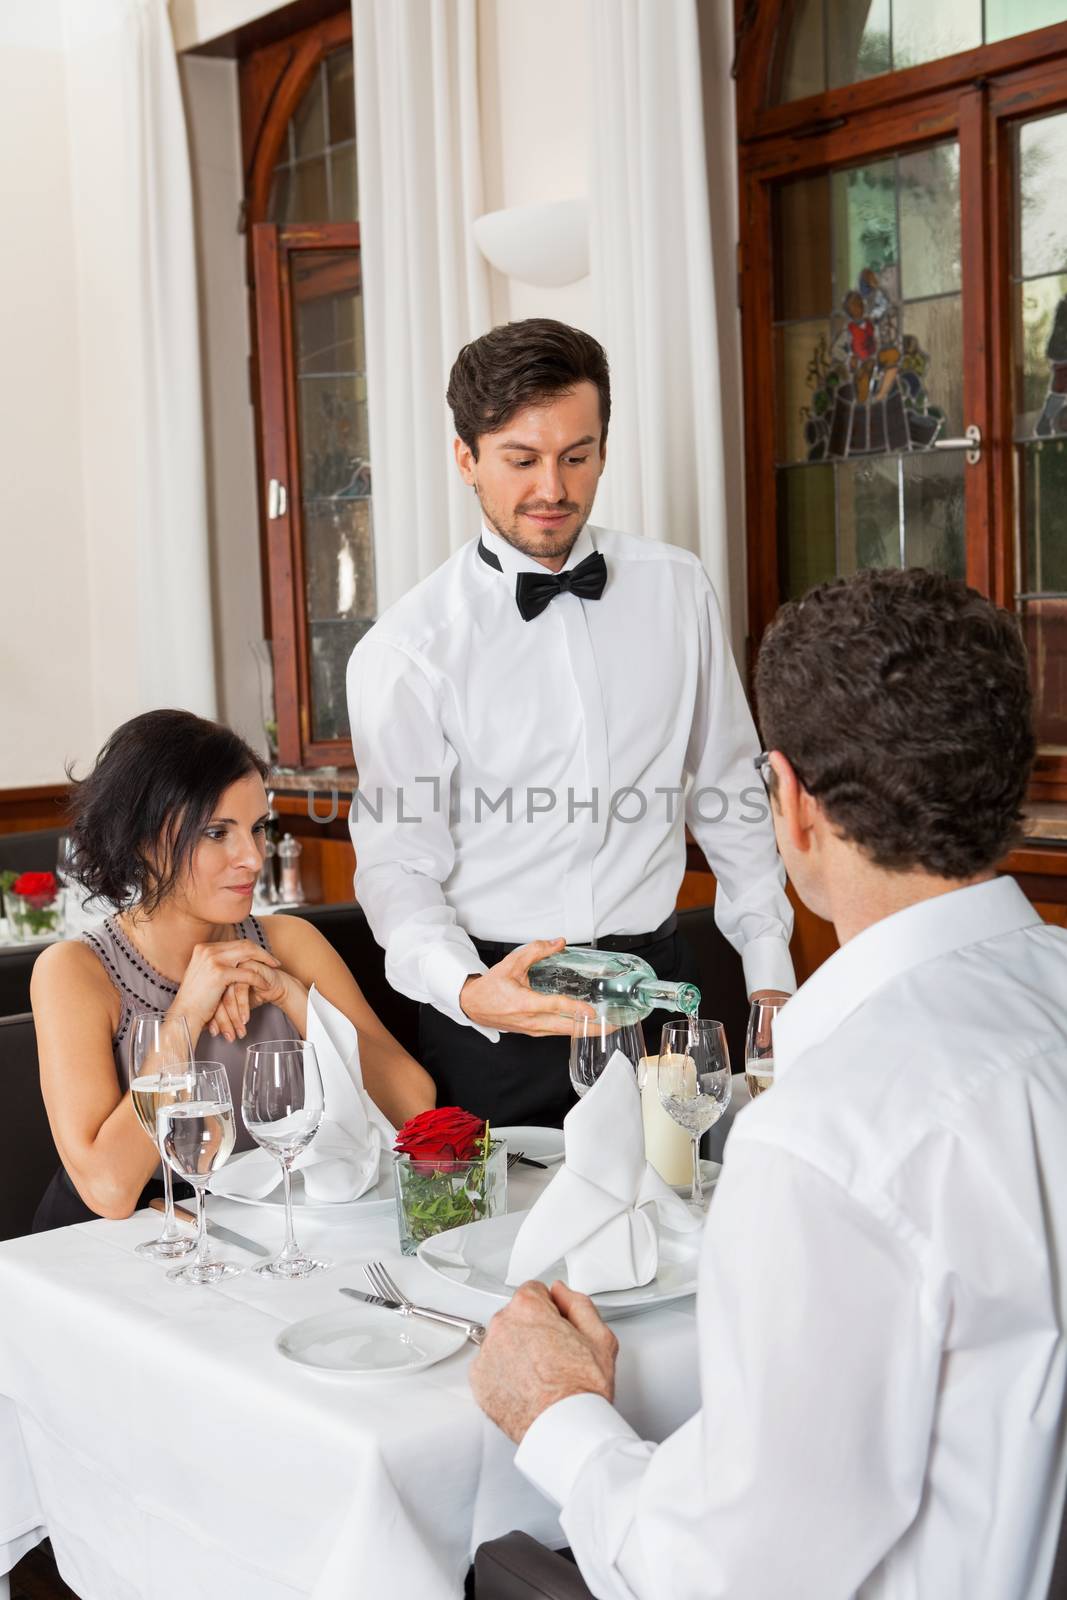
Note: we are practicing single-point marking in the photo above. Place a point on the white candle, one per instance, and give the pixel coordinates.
(667, 1144)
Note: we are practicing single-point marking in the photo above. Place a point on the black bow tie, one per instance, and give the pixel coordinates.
(534, 590)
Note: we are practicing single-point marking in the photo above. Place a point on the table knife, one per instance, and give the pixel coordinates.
(473, 1330)
(216, 1230)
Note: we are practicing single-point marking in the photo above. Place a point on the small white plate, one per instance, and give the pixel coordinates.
(367, 1341)
(382, 1195)
(541, 1144)
(477, 1256)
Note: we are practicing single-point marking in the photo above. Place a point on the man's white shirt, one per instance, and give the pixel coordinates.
(881, 1305)
(524, 780)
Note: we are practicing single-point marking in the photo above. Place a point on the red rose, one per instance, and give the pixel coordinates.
(39, 888)
(449, 1132)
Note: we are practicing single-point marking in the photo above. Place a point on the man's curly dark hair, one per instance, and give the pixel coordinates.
(902, 700)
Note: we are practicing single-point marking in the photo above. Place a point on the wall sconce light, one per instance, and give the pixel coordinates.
(547, 244)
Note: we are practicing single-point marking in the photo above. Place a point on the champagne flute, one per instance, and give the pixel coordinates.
(198, 1135)
(282, 1105)
(694, 1082)
(594, 1040)
(759, 1045)
(161, 1061)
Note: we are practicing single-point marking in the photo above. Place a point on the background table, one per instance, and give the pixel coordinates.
(168, 1450)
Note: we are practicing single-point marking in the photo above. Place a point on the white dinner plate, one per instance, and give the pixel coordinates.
(477, 1255)
(541, 1144)
(367, 1341)
(382, 1195)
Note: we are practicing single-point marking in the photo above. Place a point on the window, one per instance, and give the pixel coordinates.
(904, 307)
(311, 395)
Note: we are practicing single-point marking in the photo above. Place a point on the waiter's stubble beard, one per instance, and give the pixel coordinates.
(543, 547)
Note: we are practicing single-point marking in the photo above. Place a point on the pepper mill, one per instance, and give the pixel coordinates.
(289, 856)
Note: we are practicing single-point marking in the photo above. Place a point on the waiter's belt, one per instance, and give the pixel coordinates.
(494, 950)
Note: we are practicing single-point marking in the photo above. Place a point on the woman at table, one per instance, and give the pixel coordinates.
(169, 829)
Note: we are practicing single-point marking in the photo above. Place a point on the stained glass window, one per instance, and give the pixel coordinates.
(315, 179)
(869, 357)
(1039, 292)
(835, 42)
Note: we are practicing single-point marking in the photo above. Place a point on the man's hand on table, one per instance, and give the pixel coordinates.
(546, 1345)
(501, 998)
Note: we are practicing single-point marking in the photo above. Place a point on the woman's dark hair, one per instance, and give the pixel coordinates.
(523, 364)
(902, 701)
(137, 817)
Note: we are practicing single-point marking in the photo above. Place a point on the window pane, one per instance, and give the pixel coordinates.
(868, 514)
(802, 354)
(1005, 18)
(308, 199)
(1042, 163)
(804, 60)
(806, 553)
(339, 559)
(1041, 351)
(927, 30)
(309, 118)
(278, 204)
(1043, 503)
(929, 191)
(332, 642)
(345, 205)
(932, 348)
(934, 533)
(864, 224)
(857, 40)
(341, 91)
(803, 284)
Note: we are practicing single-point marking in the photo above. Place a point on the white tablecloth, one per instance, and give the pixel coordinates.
(169, 1451)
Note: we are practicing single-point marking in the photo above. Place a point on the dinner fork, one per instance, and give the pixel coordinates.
(382, 1284)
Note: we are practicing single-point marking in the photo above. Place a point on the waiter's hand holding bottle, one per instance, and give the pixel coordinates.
(502, 998)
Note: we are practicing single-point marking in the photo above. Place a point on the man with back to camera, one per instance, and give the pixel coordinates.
(881, 1306)
(538, 704)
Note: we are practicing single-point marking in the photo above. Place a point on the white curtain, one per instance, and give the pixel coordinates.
(425, 283)
(651, 266)
(138, 359)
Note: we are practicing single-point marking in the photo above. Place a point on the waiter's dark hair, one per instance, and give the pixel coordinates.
(523, 364)
(137, 817)
(902, 701)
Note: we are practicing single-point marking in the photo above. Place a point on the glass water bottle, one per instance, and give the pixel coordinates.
(601, 976)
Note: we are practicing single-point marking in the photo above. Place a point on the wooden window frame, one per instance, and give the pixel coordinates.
(974, 98)
(273, 80)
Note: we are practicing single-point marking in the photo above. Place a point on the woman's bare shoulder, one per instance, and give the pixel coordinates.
(68, 967)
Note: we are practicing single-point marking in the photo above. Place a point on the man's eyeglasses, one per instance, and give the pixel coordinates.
(762, 764)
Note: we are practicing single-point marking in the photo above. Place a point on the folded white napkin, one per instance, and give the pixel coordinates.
(343, 1159)
(597, 1213)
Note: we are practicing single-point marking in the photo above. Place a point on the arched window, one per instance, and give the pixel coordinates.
(904, 306)
(311, 393)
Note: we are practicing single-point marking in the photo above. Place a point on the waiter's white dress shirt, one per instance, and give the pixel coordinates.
(881, 1304)
(523, 780)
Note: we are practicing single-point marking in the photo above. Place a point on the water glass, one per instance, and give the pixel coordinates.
(282, 1105)
(594, 1040)
(161, 1061)
(198, 1136)
(694, 1082)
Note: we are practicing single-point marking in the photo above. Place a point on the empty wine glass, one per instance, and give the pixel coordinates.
(594, 1040)
(198, 1135)
(694, 1082)
(282, 1104)
(759, 1045)
(161, 1060)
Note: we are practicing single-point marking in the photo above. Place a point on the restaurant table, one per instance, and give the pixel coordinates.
(153, 1432)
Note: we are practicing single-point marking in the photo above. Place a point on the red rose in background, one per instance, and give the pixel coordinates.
(39, 888)
(448, 1132)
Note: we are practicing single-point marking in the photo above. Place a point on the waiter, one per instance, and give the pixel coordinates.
(533, 725)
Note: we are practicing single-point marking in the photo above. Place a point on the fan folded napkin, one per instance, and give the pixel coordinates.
(600, 1211)
(342, 1162)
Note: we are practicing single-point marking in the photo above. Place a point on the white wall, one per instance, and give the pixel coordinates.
(209, 87)
(46, 709)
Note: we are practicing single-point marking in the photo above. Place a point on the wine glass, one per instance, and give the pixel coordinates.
(694, 1082)
(65, 859)
(161, 1061)
(759, 1045)
(198, 1135)
(282, 1104)
(594, 1040)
